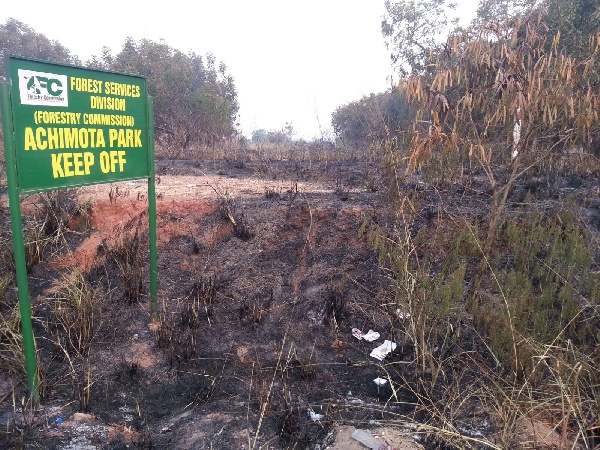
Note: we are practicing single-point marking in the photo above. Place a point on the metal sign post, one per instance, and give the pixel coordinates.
(66, 126)
(152, 216)
(19, 247)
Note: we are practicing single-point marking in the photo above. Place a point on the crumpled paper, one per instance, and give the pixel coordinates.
(383, 350)
(369, 336)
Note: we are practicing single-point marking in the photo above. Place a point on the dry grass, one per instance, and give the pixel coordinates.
(75, 308)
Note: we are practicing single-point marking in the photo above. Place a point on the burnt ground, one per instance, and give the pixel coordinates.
(262, 276)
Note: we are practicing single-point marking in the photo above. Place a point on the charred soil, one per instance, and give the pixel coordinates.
(262, 277)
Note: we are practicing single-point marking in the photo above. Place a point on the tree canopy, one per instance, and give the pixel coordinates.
(372, 118)
(414, 33)
(19, 39)
(195, 98)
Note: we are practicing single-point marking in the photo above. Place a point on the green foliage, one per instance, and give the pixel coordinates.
(195, 100)
(549, 270)
(375, 117)
(276, 137)
(448, 290)
(575, 21)
(422, 288)
(411, 30)
(18, 39)
(543, 277)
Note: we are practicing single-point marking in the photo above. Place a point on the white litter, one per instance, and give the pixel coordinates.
(366, 439)
(314, 416)
(516, 134)
(402, 315)
(380, 381)
(383, 350)
(369, 336)
(190, 185)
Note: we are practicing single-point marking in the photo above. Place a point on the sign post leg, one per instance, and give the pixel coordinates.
(152, 214)
(19, 247)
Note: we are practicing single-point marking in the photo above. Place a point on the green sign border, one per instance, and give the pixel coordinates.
(11, 121)
(94, 131)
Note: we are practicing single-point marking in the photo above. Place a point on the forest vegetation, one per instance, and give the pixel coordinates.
(476, 142)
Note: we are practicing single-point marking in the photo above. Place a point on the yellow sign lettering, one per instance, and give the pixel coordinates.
(86, 85)
(121, 159)
(78, 164)
(52, 138)
(67, 164)
(40, 135)
(117, 104)
(125, 138)
(30, 143)
(57, 171)
(122, 89)
(110, 159)
(72, 164)
(88, 161)
(63, 138)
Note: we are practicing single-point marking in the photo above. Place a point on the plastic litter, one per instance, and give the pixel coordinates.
(380, 381)
(369, 336)
(402, 315)
(383, 350)
(365, 438)
(314, 416)
(58, 420)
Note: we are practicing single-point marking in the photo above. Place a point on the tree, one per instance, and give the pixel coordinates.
(260, 136)
(502, 99)
(372, 118)
(18, 39)
(277, 137)
(489, 85)
(412, 29)
(500, 11)
(195, 102)
(574, 21)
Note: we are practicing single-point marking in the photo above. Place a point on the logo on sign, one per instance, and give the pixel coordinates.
(40, 88)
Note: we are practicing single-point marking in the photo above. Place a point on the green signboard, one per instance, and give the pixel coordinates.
(76, 126)
(67, 126)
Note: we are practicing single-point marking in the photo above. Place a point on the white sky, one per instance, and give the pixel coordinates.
(292, 61)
